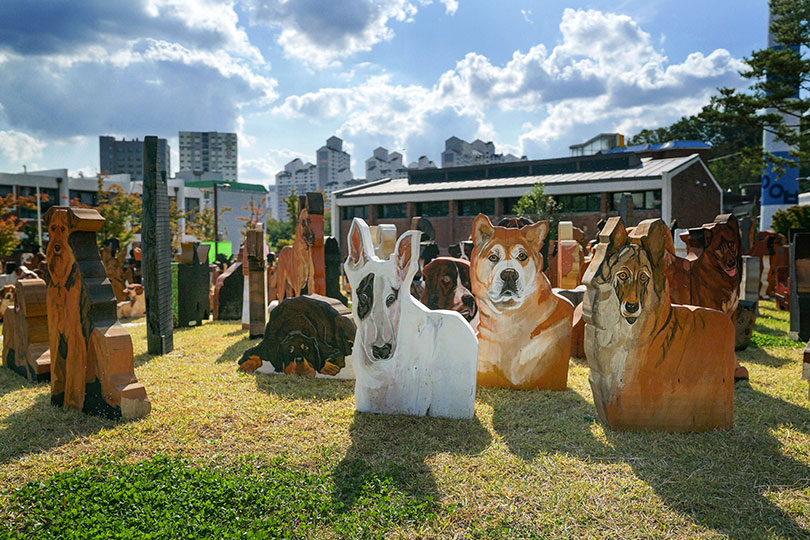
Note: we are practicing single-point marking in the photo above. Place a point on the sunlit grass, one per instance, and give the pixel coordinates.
(529, 464)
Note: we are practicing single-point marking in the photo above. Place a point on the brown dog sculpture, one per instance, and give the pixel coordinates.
(295, 269)
(91, 353)
(654, 365)
(525, 329)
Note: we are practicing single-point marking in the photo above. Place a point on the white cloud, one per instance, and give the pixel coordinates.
(20, 147)
(263, 169)
(320, 33)
(604, 74)
(137, 68)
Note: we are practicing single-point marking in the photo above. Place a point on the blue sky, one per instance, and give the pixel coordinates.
(531, 76)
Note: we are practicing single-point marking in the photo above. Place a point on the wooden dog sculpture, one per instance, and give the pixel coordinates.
(525, 329)
(306, 335)
(406, 358)
(8, 295)
(25, 331)
(447, 286)
(710, 274)
(654, 365)
(135, 306)
(91, 353)
(295, 269)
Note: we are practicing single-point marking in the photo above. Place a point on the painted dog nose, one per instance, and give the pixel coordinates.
(509, 274)
(631, 308)
(468, 300)
(381, 353)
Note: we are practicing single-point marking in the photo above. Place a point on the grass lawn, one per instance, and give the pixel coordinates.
(227, 455)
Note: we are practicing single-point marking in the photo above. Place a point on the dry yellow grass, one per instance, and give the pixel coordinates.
(529, 463)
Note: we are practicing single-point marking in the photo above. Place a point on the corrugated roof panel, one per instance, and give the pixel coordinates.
(650, 168)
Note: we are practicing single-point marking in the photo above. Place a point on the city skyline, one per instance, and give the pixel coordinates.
(393, 73)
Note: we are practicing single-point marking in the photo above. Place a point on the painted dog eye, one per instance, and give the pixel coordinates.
(446, 280)
(623, 275)
(644, 278)
(304, 347)
(391, 298)
(292, 348)
(522, 257)
(494, 258)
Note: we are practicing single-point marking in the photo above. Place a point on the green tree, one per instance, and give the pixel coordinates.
(121, 212)
(733, 158)
(10, 224)
(775, 76)
(536, 205)
(794, 217)
(291, 202)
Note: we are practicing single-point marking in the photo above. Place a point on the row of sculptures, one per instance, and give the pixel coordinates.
(659, 330)
(487, 317)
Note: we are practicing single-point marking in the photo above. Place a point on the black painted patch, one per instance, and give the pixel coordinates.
(365, 296)
(63, 346)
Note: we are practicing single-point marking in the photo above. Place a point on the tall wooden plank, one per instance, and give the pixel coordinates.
(314, 206)
(800, 286)
(257, 281)
(157, 253)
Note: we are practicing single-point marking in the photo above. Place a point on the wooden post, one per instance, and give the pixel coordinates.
(193, 285)
(157, 253)
(314, 206)
(257, 281)
(800, 286)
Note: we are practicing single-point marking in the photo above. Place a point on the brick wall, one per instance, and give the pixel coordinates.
(694, 203)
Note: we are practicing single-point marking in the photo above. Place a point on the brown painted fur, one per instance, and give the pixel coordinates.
(295, 269)
(525, 329)
(653, 365)
(68, 344)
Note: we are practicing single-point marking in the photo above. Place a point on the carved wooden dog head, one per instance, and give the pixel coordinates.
(59, 255)
(379, 288)
(506, 264)
(303, 229)
(633, 265)
(721, 246)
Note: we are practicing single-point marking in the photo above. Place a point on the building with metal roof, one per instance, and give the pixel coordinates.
(588, 188)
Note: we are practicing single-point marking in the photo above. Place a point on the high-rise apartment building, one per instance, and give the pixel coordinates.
(381, 164)
(332, 172)
(460, 153)
(209, 151)
(126, 157)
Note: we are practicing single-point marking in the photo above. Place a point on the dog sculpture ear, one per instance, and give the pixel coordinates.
(612, 238)
(482, 230)
(358, 254)
(407, 256)
(535, 233)
(654, 237)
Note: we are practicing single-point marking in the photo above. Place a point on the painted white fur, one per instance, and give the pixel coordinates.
(432, 366)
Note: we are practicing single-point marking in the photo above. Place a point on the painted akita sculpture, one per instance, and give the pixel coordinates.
(524, 331)
(654, 365)
(407, 359)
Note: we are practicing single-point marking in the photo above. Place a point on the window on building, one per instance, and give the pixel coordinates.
(509, 204)
(433, 209)
(642, 200)
(51, 194)
(580, 202)
(89, 198)
(474, 207)
(192, 205)
(392, 211)
(351, 212)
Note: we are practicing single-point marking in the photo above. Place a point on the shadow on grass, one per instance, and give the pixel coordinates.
(11, 381)
(235, 350)
(308, 388)
(398, 447)
(720, 479)
(42, 427)
(756, 355)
